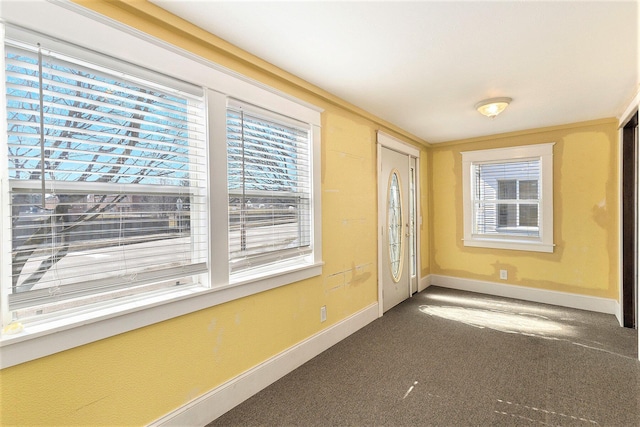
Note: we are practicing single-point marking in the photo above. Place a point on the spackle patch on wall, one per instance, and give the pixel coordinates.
(600, 214)
(353, 276)
(359, 273)
(350, 221)
(350, 155)
(218, 343)
(334, 281)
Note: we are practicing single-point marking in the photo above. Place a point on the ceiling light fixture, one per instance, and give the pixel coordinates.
(492, 107)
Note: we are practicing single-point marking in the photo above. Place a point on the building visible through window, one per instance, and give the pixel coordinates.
(517, 215)
(508, 197)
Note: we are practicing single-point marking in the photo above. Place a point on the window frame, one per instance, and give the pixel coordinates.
(544, 241)
(77, 26)
(240, 265)
(93, 74)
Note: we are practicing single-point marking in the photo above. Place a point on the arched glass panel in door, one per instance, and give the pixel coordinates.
(394, 225)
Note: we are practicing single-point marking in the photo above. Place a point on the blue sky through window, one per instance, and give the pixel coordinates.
(97, 128)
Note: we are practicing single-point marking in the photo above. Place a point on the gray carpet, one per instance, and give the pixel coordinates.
(452, 358)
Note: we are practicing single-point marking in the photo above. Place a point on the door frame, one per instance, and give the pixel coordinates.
(628, 113)
(392, 143)
(629, 202)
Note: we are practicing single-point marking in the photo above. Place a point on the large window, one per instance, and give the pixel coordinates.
(269, 187)
(140, 184)
(508, 198)
(107, 183)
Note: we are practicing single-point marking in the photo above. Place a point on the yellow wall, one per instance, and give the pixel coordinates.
(137, 377)
(586, 209)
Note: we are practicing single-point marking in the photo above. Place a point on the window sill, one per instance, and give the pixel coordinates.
(516, 245)
(46, 338)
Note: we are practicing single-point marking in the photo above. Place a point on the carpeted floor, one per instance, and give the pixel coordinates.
(452, 358)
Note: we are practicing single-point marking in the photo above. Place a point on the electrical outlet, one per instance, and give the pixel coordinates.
(503, 274)
(323, 313)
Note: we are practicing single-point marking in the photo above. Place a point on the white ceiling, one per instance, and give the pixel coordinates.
(423, 65)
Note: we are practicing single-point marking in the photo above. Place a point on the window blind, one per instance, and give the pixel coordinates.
(107, 182)
(269, 182)
(507, 198)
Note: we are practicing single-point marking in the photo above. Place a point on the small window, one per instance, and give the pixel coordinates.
(508, 198)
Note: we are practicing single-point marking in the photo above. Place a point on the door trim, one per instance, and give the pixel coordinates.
(631, 109)
(629, 203)
(392, 143)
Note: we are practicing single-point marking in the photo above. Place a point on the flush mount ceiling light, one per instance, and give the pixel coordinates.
(492, 107)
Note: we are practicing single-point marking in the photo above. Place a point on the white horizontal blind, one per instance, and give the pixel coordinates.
(269, 181)
(506, 199)
(107, 179)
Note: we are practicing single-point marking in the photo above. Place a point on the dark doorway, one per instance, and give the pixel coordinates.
(630, 221)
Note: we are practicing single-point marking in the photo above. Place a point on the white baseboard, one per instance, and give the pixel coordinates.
(424, 283)
(216, 402)
(563, 299)
(619, 314)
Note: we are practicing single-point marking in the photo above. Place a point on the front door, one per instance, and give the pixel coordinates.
(393, 190)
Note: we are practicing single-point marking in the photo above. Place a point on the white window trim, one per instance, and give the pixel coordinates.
(85, 28)
(544, 243)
